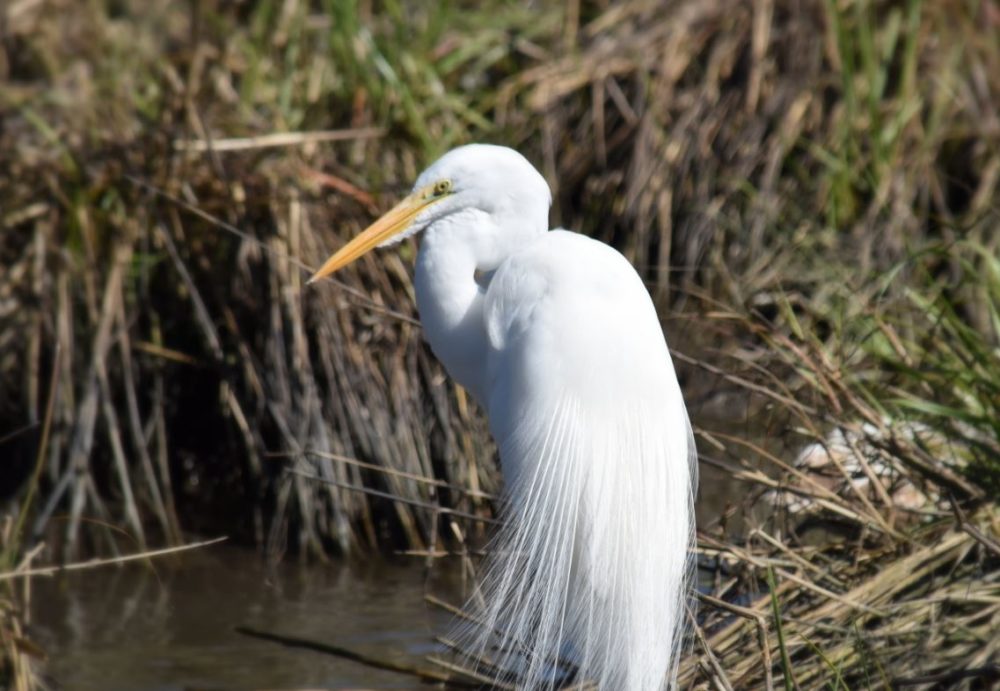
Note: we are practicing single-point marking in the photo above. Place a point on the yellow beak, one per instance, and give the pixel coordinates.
(395, 221)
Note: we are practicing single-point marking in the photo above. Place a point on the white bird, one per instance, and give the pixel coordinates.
(557, 338)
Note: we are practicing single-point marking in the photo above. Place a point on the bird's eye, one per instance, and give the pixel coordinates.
(442, 187)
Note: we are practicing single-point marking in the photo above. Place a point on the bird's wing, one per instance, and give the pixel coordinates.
(594, 444)
(568, 317)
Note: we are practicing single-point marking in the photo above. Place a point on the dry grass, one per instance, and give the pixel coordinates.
(19, 657)
(876, 563)
(811, 185)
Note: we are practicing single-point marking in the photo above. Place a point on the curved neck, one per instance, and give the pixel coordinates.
(451, 305)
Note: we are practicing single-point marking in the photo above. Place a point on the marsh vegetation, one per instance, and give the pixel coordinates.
(810, 190)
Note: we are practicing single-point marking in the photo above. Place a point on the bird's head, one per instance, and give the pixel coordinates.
(492, 180)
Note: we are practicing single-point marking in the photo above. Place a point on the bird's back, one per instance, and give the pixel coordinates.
(594, 443)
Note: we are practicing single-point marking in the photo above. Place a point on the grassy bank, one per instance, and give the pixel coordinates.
(810, 190)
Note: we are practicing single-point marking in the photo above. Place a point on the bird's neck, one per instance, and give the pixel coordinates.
(451, 302)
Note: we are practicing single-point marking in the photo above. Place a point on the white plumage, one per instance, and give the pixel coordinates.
(556, 337)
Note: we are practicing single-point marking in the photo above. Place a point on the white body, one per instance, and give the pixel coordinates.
(557, 338)
(563, 348)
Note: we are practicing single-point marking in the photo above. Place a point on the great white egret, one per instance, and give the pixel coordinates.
(556, 337)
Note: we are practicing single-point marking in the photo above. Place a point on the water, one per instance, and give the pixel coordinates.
(169, 626)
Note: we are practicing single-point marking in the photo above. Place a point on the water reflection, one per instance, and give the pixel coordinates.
(171, 626)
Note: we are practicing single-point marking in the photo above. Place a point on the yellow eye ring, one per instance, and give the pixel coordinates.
(442, 187)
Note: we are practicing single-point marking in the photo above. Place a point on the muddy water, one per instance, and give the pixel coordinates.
(171, 626)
